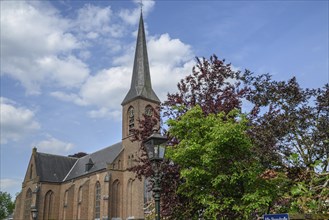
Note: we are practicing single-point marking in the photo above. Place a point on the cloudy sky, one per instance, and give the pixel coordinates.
(66, 65)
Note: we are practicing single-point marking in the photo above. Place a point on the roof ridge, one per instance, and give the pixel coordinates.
(56, 155)
(78, 167)
(103, 149)
(68, 173)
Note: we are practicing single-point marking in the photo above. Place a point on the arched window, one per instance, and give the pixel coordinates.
(116, 199)
(149, 110)
(131, 120)
(65, 204)
(147, 197)
(80, 195)
(119, 164)
(79, 202)
(27, 204)
(66, 198)
(48, 206)
(130, 198)
(97, 201)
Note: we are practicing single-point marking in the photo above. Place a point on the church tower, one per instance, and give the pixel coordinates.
(140, 100)
(99, 185)
(141, 95)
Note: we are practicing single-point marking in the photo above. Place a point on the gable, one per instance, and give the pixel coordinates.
(53, 168)
(31, 169)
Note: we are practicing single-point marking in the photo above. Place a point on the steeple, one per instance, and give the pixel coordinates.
(141, 80)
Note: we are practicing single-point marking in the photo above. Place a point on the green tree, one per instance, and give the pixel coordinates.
(6, 205)
(288, 128)
(219, 172)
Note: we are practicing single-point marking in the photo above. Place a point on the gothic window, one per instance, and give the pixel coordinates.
(65, 198)
(116, 199)
(27, 204)
(80, 195)
(130, 198)
(98, 201)
(148, 205)
(119, 164)
(131, 160)
(79, 202)
(48, 206)
(148, 110)
(131, 120)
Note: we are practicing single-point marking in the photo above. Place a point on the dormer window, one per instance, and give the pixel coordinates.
(131, 120)
(89, 165)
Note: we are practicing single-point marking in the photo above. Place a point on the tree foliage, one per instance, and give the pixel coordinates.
(290, 133)
(221, 176)
(287, 127)
(78, 155)
(6, 205)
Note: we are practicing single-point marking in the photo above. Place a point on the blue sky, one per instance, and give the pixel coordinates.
(66, 65)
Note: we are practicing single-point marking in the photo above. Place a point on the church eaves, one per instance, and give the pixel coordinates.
(141, 86)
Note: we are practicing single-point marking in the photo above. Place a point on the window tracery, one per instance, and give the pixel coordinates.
(98, 201)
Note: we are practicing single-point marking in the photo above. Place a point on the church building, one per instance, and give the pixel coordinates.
(98, 185)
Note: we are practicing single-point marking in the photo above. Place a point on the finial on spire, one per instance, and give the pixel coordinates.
(141, 5)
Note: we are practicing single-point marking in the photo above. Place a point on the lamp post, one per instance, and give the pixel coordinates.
(34, 212)
(155, 147)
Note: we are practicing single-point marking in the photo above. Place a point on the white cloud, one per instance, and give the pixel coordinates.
(16, 122)
(132, 16)
(84, 54)
(33, 30)
(105, 91)
(167, 51)
(105, 113)
(72, 97)
(41, 54)
(54, 146)
(37, 46)
(169, 59)
(11, 186)
(67, 72)
(93, 20)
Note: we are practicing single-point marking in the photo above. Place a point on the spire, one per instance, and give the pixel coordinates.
(141, 80)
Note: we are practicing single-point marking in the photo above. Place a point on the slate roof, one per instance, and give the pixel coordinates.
(100, 160)
(141, 80)
(55, 168)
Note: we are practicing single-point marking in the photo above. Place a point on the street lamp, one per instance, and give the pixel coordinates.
(155, 148)
(34, 212)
